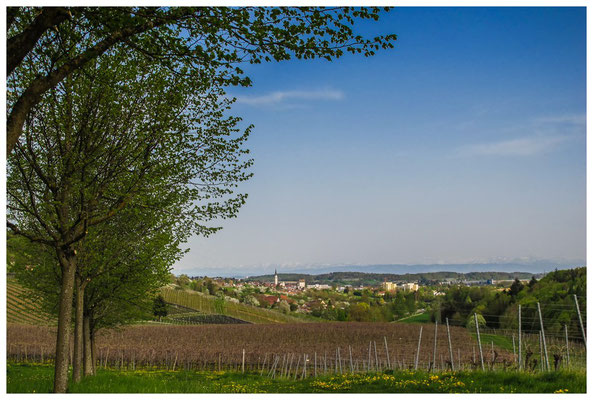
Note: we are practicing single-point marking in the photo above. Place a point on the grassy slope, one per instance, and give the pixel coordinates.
(22, 378)
(498, 340)
(423, 318)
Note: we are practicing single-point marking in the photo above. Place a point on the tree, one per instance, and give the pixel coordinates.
(251, 300)
(119, 134)
(532, 282)
(183, 281)
(119, 271)
(212, 287)
(360, 312)
(515, 287)
(284, 307)
(471, 322)
(125, 263)
(214, 38)
(159, 309)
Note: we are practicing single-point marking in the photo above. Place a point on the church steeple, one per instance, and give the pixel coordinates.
(275, 277)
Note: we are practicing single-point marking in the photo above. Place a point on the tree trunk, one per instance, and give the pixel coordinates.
(67, 260)
(78, 332)
(89, 367)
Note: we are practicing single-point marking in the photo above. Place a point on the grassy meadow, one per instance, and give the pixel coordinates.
(37, 378)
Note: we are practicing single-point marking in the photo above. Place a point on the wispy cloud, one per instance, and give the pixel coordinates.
(280, 97)
(566, 119)
(525, 146)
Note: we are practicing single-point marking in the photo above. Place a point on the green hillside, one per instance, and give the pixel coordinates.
(211, 305)
(20, 310)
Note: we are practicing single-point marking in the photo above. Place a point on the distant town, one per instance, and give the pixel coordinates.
(345, 295)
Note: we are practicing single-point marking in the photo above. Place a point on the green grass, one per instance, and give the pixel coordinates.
(423, 318)
(499, 341)
(37, 378)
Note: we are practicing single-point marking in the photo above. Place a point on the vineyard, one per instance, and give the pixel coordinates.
(546, 344)
(207, 304)
(180, 315)
(21, 310)
(280, 348)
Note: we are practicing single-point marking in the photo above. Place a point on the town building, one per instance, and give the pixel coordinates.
(411, 286)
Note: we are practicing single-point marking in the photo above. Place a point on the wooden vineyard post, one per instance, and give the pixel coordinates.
(541, 352)
(351, 365)
(296, 369)
(275, 367)
(567, 352)
(519, 361)
(376, 356)
(479, 342)
(243, 363)
(541, 323)
(315, 365)
(386, 353)
(418, 349)
(450, 347)
(336, 363)
(272, 364)
(262, 368)
(325, 363)
(339, 360)
(514, 349)
(580, 321)
(369, 363)
(304, 366)
(284, 370)
(289, 365)
(434, 349)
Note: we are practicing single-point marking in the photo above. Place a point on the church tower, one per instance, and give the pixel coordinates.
(275, 278)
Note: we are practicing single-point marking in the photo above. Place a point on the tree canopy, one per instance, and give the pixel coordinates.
(61, 40)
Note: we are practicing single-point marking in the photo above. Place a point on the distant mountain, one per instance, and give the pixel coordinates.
(531, 267)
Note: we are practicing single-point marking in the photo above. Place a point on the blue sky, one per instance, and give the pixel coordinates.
(464, 143)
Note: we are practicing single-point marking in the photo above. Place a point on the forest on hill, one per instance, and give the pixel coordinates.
(555, 293)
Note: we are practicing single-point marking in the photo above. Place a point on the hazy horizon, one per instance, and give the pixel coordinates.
(465, 142)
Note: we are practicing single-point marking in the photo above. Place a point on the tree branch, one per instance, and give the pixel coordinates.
(20, 45)
(32, 95)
